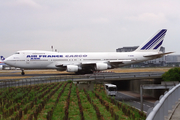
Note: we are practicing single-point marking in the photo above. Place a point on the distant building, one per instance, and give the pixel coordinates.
(172, 60)
(133, 48)
(127, 49)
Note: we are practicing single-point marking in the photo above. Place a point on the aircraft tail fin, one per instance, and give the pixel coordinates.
(2, 60)
(154, 43)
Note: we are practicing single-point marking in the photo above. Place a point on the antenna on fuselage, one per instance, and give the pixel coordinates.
(52, 48)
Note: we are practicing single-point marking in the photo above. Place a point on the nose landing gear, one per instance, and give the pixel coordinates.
(22, 73)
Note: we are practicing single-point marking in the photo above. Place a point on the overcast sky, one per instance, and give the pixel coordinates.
(86, 25)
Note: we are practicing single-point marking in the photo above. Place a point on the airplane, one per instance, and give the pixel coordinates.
(87, 62)
(2, 62)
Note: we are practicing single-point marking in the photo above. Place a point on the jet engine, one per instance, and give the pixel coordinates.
(72, 68)
(101, 66)
(1, 67)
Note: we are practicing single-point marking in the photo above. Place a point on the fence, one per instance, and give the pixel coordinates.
(164, 104)
(88, 77)
(31, 81)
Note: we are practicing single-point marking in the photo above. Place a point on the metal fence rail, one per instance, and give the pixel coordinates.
(82, 78)
(164, 104)
(29, 81)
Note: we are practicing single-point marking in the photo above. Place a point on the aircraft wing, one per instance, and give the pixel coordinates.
(61, 65)
(113, 63)
(92, 64)
(119, 61)
(158, 55)
(109, 62)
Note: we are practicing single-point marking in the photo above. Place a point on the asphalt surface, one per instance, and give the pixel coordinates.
(108, 75)
(134, 101)
(11, 74)
(176, 115)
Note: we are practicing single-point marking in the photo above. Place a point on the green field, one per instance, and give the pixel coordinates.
(63, 100)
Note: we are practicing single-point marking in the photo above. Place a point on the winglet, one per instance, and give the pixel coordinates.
(154, 43)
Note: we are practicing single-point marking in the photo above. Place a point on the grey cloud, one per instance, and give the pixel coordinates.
(80, 25)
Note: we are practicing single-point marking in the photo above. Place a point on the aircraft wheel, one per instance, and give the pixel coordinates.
(77, 73)
(83, 72)
(22, 73)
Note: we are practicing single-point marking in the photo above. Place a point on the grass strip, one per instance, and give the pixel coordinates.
(74, 112)
(59, 113)
(89, 112)
(106, 114)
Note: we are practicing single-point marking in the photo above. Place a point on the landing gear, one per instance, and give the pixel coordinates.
(83, 72)
(78, 73)
(22, 73)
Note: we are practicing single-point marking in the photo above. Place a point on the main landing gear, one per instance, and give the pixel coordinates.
(83, 72)
(22, 73)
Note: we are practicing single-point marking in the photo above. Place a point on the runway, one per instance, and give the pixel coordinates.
(11, 74)
(31, 75)
(135, 101)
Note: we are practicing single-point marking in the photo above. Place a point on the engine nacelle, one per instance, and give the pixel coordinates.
(101, 66)
(72, 68)
(1, 67)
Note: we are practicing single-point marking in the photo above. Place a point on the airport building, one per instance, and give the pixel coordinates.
(173, 60)
(127, 49)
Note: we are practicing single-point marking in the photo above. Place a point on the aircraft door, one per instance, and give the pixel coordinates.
(27, 60)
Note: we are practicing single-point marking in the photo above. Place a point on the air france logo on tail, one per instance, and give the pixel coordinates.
(2, 58)
(156, 41)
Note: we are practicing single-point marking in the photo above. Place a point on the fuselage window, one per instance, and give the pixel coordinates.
(17, 53)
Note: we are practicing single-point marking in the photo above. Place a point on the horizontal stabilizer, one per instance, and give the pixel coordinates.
(158, 55)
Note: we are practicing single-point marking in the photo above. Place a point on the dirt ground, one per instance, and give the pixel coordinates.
(124, 70)
(14, 74)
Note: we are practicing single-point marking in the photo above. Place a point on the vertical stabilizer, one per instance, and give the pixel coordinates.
(2, 60)
(154, 43)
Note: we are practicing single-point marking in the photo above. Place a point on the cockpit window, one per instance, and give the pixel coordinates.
(17, 53)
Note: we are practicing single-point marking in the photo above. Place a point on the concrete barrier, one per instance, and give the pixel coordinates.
(164, 104)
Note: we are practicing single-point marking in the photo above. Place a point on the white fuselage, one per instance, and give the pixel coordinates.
(49, 60)
(87, 62)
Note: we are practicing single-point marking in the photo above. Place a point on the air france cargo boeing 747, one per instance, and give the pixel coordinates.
(87, 62)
